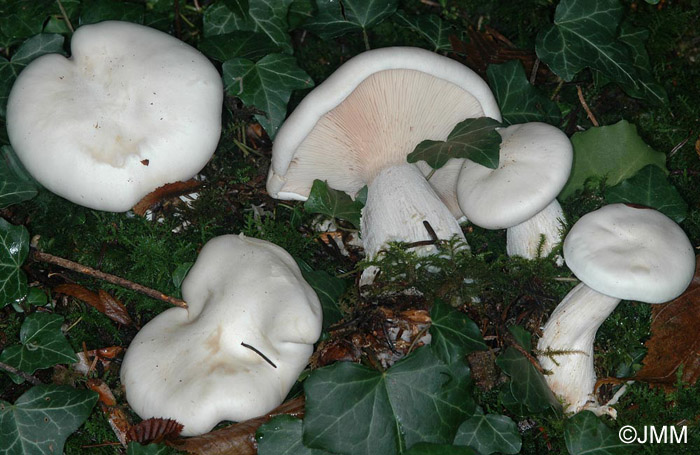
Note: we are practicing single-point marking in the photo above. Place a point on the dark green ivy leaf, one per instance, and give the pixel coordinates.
(426, 448)
(329, 289)
(93, 11)
(14, 248)
(635, 38)
(354, 410)
(473, 138)
(522, 336)
(42, 345)
(519, 101)
(267, 85)
(13, 188)
(334, 19)
(337, 204)
(585, 434)
(20, 19)
(454, 335)
(228, 46)
(135, 448)
(282, 435)
(650, 187)
(527, 385)
(40, 420)
(429, 26)
(490, 433)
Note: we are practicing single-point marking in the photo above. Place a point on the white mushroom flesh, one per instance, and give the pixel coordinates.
(537, 236)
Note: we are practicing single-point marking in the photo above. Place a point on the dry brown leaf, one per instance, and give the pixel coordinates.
(154, 430)
(87, 358)
(103, 391)
(238, 438)
(675, 339)
(164, 192)
(102, 302)
(116, 417)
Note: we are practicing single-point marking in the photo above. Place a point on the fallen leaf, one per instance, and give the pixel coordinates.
(164, 192)
(103, 355)
(115, 415)
(103, 302)
(238, 438)
(675, 339)
(106, 396)
(154, 430)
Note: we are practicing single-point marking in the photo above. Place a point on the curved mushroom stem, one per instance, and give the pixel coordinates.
(566, 348)
(399, 199)
(524, 239)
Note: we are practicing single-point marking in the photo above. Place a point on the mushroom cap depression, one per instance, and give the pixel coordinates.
(371, 113)
(630, 253)
(132, 109)
(534, 164)
(189, 364)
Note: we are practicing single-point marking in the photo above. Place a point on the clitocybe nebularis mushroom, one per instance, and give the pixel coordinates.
(357, 128)
(618, 252)
(520, 195)
(238, 348)
(132, 109)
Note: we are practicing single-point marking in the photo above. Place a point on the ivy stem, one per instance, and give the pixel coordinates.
(113, 279)
(366, 39)
(27, 377)
(65, 16)
(590, 115)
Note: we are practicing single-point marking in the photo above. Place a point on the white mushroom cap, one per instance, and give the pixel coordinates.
(369, 114)
(189, 364)
(631, 254)
(534, 164)
(131, 110)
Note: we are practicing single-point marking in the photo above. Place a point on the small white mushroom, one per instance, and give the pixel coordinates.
(238, 348)
(520, 195)
(132, 109)
(619, 253)
(357, 128)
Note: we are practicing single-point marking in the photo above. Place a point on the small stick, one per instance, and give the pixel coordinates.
(590, 115)
(27, 377)
(533, 73)
(65, 16)
(85, 270)
(245, 345)
(431, 231)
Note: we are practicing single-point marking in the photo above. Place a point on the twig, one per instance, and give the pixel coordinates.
(535, 363)
(590, 115)
(65, 16)
(679, 146)
(113, 279)
(533, 73)
(27, 377)
(245, 345)
(178, 25)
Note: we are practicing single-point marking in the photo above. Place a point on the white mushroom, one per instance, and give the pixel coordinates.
(618, 252)
(357, 128)
(132, 109)
(520, 195)
(199, 365)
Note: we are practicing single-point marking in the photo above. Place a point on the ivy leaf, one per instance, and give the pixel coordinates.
(335, 18)
(613, 153)
(42, 345)
(267, 85)
(473, 138)
(268, 17)
(585, 434)
(36, 46)
(584, 34)
(635, 39)
(519, 101)
(248, 45)
(650, 187)
(454, 335)
(93, 11)
(426, 448)
(522, 336)
(20, 19)
(42, 418)
(354, 410)
(335, 203)
(134, 448)
(13, 189)
(429, 26)
(14, 248)
(527, 385)
(299, 12)
(329, 290)
(490, 433)
(282, 435)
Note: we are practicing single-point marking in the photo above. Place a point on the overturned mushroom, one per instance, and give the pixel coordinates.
(520, 195)
(357, 127)
(619, 253)
(237, 350)
(132, 109)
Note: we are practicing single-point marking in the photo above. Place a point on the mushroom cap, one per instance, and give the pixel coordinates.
(371, 113)
(189, 364)
(630, 253)
(534, 164)
(132, 109)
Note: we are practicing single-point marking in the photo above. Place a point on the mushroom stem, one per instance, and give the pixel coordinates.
(525, 239)
(566, 347)
(399, 201)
